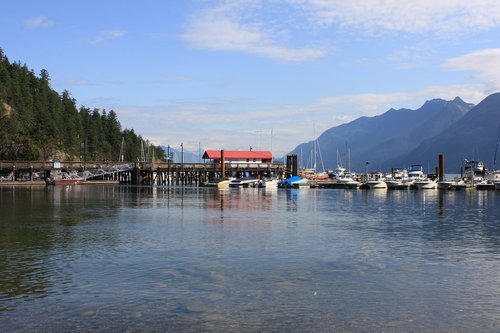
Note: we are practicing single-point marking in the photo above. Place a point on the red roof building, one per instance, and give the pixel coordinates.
(239, 156)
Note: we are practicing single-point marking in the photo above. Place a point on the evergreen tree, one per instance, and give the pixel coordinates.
(38, 123)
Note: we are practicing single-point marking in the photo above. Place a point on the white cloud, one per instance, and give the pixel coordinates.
(208, 123)
(106, 35)
(223, 28)
(38, 22)
(484, 64)
(375, 16)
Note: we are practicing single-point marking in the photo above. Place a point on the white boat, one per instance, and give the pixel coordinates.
(346, 178)
(398, 179)
(445, 184)
(269, 184)
(220, 183)
(474, 171)
(416, 173)
(376, 182)
(245, 182)
(425, 184)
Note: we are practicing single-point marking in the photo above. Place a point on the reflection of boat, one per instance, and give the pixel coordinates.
(293, 182)
(244, 182)
(497, 185)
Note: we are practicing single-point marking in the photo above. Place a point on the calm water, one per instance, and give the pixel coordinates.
(97, 258)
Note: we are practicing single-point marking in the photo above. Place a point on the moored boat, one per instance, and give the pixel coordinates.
(425, 184)
(398, 179)
(220, 183)
(245, 182)
(294, 182)
(269, 184)
(444, 184)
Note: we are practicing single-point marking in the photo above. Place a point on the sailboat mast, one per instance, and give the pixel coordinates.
(314, 146)
(496, 149)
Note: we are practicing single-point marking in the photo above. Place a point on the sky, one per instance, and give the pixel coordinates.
(262, 74)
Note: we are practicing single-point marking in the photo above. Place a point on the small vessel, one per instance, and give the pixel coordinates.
(474, 171)
(425, 184)
(342, 176)
(245, 182)
(416, 173)
(398, 179)
(376, 182)
(220, 183)
(269, 184)
(294, 182)
(445, 184)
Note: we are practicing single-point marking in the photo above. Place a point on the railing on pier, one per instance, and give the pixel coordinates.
(161, 173)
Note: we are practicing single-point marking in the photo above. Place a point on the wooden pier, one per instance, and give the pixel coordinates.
(138, 173)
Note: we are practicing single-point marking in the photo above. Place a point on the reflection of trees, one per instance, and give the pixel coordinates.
(40, 224)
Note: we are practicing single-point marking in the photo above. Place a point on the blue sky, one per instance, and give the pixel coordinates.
(228, 74)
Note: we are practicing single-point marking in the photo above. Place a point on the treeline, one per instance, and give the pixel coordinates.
(37, 123)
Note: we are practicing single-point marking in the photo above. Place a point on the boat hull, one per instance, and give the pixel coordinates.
(425, 185)
(378, 184)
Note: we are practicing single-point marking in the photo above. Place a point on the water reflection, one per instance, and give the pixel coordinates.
(196, 259)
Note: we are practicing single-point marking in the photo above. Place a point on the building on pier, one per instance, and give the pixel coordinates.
(239, 156)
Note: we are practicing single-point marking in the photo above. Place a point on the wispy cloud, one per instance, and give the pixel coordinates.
(106, 35)
(484, 65)
(228, 28)
(376, 16)
(216, 128)
(38, 22)
(251, 27)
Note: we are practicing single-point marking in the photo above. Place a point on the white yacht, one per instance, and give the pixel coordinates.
(342, 176)
(416, 172)
(425, 184)
(376, 182)
(398, 179)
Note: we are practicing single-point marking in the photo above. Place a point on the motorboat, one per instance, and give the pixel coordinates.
(474, 171)
(416, 172)
(425, 184)
(269, 184)
(294, 182)
(245, 182)
(398, 179)
(346, 178)
(377, 181)
(445, 184)
(220, 183)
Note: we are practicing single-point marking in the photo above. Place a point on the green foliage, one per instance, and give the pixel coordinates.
(37, 123)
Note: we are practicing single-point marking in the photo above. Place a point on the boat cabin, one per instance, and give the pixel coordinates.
(239, 156)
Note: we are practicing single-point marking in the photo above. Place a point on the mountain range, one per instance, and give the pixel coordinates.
(400, 138)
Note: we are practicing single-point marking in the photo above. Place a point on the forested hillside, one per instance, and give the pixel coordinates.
(37, 123)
